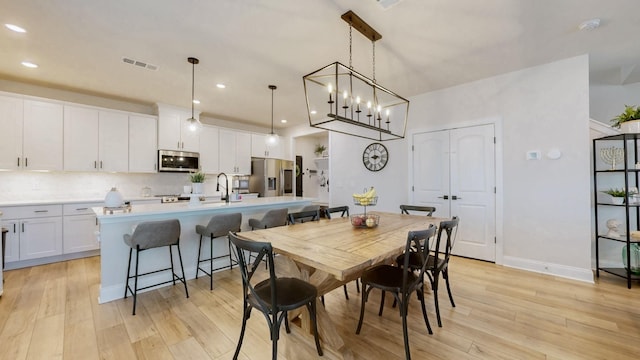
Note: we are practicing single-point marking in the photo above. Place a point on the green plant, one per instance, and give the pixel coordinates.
(616, 192)
(197, 177)
(319, 149)
(630, 113)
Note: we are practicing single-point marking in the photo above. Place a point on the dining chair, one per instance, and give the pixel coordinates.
(311, 213)
(400, 282)
(437, 260)
(219, 225)
(344, 211)
(150, 235)
(404, 209)
(275, 296)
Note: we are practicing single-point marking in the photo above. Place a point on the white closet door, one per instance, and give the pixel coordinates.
(454, 170)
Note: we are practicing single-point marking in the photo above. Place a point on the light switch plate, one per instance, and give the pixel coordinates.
(534, 155)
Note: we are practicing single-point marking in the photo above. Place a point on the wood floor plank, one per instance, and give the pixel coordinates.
(80, 340)
(48, 338)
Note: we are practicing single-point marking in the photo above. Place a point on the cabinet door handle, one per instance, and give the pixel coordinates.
(178, 144)
(18, 161)
(446, 197)
(81, 209)
(14, 228)
(41, 211)
(100, 164)
(26, 162)
(95, 164)
(453, 197)
(22, 227)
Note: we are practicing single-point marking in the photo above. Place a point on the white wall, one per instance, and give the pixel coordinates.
(607, 101)
(546, 202)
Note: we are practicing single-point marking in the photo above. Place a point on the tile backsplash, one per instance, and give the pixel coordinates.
(27, 185)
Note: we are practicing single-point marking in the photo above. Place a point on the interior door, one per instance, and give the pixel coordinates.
(454, 170)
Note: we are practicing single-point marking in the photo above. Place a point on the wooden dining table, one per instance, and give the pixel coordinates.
(329, 253)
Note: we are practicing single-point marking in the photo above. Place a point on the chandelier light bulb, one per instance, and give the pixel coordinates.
(368, 104)
(358, 100)
(330, 88)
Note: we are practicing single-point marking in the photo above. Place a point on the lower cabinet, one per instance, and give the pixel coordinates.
(40, 237)
(79, 225)
(35, 231)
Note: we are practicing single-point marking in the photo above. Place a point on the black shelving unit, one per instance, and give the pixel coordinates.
(629, 177)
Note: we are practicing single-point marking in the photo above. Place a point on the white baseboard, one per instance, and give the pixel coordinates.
(574, 273)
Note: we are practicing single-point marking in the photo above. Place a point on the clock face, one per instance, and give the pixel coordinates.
(375, 157)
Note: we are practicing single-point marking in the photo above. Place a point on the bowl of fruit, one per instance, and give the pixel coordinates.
(365, 220)
(367, 198)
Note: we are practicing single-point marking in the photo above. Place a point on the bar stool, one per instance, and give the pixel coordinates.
(219, 225)
(149, 235)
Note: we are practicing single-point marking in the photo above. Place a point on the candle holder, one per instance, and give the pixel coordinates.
(612, 156)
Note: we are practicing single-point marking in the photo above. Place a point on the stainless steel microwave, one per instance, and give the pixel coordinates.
(178, 161)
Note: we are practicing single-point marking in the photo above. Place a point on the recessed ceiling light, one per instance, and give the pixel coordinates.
(221, 86)
(284, 121)
(15, 28)
(589, 25)
(196, 101)
(313, 112)
(29, 64)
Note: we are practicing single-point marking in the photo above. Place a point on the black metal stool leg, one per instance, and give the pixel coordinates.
(198, 261)
(126, 284)
(184, 278)
(211, 262)
(135, 282)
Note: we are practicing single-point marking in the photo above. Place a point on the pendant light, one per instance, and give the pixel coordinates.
(193, 123)
(272, 139)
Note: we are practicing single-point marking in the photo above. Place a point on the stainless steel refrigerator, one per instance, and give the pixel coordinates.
(271, 177)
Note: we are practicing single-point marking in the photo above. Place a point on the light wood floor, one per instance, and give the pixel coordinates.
(51, 312)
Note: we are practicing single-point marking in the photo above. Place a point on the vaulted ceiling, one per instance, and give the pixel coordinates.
(249, 44)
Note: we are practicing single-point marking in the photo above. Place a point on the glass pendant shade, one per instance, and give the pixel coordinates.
(193, 124)
(272, 139)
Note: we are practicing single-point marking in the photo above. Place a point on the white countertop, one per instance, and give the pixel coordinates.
(185, 208)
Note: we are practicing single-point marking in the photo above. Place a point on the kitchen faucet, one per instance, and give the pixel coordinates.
(226, 186)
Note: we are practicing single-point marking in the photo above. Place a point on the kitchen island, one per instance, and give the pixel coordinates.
(114, 253)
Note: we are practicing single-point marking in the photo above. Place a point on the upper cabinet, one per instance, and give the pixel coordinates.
(173, 132)
(95, 140)
(42, 136)
(209, 150)
(143, 145)
(235, 152)
(259, 147)
(11, 134)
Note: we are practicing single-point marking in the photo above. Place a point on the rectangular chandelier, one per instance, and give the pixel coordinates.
(343, 100)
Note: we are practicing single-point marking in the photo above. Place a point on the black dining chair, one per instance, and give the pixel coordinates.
(344, 211)
(404, 209)
(437, 261)
(304, 216)
(400, 282)
(273, 296)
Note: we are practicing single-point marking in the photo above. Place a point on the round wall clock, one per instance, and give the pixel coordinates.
(375, 157)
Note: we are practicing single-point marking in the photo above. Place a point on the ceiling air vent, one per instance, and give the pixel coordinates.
(387, 3)
(139, 63)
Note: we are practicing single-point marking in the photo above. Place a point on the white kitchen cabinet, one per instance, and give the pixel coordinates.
(209, 150)
(12, 245)
(11, 134)
(79, 226)
(143, 144)
(80, 138)
(259, 147)
(42, 136)
(113, 141)
(235, 152)
(35, 231)
(173, 133)
(95, 140)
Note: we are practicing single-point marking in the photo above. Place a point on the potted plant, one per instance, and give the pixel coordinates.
(319, 149)
(628, 121)
(197, 178)
(618, 195)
